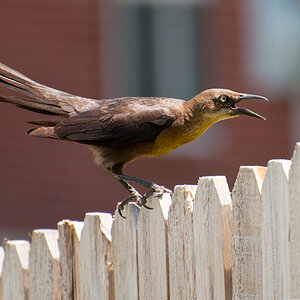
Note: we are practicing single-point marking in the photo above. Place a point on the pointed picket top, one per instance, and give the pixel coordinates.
(181, 243)
(65, 244)
(94, 257)
(247, 246)
(124, 248)
(77, 228)
(152, 249)
(44, 271)
(294, 221)
(68, 231)
(15, 279)
(212, 238)
(275, 231)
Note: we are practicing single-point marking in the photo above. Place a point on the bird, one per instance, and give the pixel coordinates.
(121, 130)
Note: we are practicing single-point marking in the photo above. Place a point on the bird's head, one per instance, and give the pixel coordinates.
(220, 104)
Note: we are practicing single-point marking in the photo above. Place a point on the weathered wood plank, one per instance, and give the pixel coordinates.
(124, 246)
(1, 267)
(44, 270)
(77, 228)
(275, 231)
(15, 278)
(67, 245)
(213, 238)
(153, 249)
(95, 258)
(294, 220)
(247, 251)
(181, 243)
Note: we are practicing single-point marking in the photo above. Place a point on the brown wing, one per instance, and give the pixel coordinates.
(122, 126)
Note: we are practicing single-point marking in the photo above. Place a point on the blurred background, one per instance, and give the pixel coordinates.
(106, 49)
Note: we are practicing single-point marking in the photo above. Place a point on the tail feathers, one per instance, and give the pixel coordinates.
(32, 105)
(43, 132)
(42, 98)
(49, 123)
(17, 81)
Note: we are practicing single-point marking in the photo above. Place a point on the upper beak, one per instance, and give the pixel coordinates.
(251, 96)
(245, 111)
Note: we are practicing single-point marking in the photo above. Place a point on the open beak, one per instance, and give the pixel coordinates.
(238, 111)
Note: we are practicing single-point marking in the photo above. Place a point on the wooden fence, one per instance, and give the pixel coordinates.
(204, 243)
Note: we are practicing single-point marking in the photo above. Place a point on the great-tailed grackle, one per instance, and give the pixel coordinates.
(121, 130)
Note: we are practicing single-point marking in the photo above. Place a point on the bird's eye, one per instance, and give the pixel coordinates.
(223, 98)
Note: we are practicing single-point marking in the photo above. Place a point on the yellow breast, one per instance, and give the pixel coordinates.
(176, 136)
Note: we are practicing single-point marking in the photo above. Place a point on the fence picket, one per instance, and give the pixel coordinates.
(15, 278)
(212, 238)
(246, 219)
(1, 267)
(181, 243)
(95, 257)
(77, 228)
(200, 245)
(124, 246)
(275, 231)
(66, 244)
(294, 221)
(153, 249)
(44, 265)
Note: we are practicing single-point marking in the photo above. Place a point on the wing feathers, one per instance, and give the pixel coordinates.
(123, 129)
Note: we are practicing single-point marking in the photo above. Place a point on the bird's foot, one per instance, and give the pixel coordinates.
(121, 205)
(156, 190)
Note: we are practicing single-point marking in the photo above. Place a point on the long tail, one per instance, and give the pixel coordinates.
(40, 98)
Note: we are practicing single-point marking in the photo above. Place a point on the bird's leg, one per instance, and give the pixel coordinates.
(153, 187)
(129, 187)
(135, 196)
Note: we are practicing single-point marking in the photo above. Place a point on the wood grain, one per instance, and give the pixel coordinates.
(247, 248)
(153, 249)
(212, 238)
(181, 243)
(275, 231)
(15, 277)
(294, 220)
(95, 259)
(67, 247)
(124, 246)
(44, 270)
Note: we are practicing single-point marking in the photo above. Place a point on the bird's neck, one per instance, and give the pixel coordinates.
(197, 115)
(190, 124)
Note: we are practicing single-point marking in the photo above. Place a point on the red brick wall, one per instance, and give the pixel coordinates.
(56, 43)
(252, 141)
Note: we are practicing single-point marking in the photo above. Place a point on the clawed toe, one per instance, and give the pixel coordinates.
(122, 204)
(158, 190)
(143, 200)
(154, 189)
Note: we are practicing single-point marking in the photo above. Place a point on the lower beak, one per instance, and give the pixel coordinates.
(238, 111)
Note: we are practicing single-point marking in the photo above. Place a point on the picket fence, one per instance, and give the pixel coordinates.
(204, 243)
